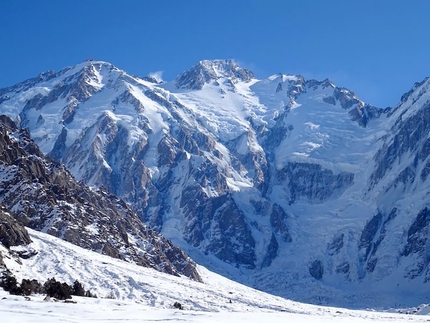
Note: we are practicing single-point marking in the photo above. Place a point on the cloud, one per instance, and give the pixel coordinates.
(158, 75)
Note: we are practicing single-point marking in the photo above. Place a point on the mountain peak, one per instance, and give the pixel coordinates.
(211, 70)
(87, 66)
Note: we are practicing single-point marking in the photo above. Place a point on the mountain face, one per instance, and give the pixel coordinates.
(293, 186)
(42, 194)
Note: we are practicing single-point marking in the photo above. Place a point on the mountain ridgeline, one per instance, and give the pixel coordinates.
(294, 186)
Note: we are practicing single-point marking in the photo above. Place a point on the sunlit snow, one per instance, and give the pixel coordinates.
(145, 295)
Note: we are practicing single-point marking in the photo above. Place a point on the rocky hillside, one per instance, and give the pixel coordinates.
(290, 185)
(12, 233)
(42, 194)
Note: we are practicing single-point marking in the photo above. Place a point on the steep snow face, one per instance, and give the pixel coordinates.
(51, 102)
(284, 183)
(316, 122)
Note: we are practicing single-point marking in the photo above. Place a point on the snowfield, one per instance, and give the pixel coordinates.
(15, 309)
(145, 295)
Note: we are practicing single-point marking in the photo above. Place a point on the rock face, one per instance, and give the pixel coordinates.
(417, 245)
(296, 182)
(12, 232)
(44, 196)
(316, 269)
(312, 182)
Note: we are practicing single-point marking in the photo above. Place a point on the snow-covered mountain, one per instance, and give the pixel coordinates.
(293, 186)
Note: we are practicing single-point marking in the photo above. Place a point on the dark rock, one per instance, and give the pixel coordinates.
(314, 183)
(346, 98)
(277, 220)
(372, 236)
(417, 233)
(236, 243)
(26, 254)
(178, 306)
(406, 95)
(314, 84)
(3, 98)
(406, 176)
(330, 100)
(150, 78)
(272, 252)
(362, 114)
(368, 234)
(60, 146)
(12, 233)
(407, 138)
(371, 264)
(343, 268)
(316, 269)
(337, 244)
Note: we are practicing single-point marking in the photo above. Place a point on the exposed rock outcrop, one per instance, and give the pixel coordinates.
(44, 196)
(12, 232)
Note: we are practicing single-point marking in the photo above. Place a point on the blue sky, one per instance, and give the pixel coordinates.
(377, 48)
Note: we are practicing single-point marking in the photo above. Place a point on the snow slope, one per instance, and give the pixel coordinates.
(144, 295)
(104, 276)
(15, 309)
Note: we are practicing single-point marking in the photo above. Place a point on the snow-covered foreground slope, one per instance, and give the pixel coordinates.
(145, 295)
(106, 276)
(15, 309)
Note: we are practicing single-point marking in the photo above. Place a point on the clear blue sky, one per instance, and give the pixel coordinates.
(377, 48)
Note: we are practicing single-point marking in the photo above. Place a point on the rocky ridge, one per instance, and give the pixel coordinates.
(43, 195)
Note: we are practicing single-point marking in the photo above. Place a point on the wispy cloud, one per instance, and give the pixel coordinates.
(158, 75)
